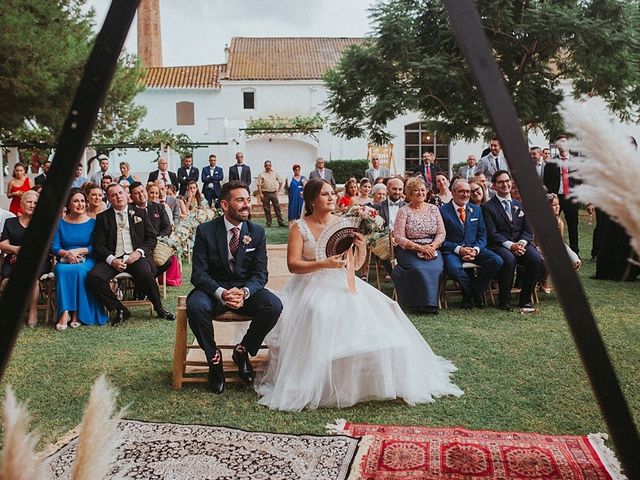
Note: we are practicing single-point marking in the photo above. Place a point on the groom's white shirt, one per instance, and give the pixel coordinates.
(229, 226)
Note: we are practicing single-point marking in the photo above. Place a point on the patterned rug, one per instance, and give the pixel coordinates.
(410, 453)
(172, 451)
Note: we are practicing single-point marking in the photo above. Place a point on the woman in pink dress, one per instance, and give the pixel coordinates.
(174, 272)
(16, 188)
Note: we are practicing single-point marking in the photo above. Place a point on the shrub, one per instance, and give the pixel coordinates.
(343, 169)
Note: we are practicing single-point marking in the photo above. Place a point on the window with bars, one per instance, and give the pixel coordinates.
(418, 140)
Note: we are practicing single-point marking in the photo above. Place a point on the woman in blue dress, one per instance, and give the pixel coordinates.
(72, 246)
(294, 186)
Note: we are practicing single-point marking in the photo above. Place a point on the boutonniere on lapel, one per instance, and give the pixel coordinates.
(521, 214)
(246, 240)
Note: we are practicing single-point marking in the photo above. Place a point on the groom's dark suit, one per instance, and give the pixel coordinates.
(212, 270)
(143, 236)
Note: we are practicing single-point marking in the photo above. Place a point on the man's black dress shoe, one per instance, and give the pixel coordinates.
(245, 369)
(478, 301)
(118, 317)
(467, 304)
(166, 314)
(507, 307)
(216, 375)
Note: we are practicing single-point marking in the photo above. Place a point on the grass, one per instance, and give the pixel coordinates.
(518, 372)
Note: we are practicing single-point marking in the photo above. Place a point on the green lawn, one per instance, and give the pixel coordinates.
(518, 372)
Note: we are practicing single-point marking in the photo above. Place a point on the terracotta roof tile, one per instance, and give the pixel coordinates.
(200, 76)
(285, 58)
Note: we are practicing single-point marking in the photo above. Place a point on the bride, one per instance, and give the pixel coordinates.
(333, 348)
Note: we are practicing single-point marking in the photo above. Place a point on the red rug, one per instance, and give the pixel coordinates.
(389, 452)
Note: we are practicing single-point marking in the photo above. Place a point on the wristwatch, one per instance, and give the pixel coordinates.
(246, 292)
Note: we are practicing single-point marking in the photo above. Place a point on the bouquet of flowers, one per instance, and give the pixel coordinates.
(370, 220)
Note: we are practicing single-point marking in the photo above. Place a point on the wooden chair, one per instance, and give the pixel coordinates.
(123, 285)
(47, 296)
(189, 362)
(444, 282)
(515, 289)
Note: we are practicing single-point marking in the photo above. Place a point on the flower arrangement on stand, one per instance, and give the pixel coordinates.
(182, 238)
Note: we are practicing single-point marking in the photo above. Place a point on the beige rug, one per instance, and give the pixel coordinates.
(172, 451)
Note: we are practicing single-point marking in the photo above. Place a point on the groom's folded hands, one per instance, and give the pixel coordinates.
(233, 298)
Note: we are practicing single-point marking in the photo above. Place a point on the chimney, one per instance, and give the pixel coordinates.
(149, 37)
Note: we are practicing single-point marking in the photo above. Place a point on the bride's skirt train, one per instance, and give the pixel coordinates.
(332, 348)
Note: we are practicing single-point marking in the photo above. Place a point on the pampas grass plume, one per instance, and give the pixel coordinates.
(18, 453)
(610, 167)
(97, 441)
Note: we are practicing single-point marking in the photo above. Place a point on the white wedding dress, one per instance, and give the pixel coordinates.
(333, 348)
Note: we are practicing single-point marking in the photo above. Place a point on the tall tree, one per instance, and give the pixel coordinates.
(44, 45)
(412, 63)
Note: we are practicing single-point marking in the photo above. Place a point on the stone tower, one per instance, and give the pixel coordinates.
(149, 37)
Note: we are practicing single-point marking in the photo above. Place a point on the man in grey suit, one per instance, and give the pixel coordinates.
(324, 173)
(469, 170)
(376, 170)
(494, 161)
(240, 171)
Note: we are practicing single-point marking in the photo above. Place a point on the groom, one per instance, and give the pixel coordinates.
(229, 273)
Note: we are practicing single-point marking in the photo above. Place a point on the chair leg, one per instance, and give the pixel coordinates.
(180, 347)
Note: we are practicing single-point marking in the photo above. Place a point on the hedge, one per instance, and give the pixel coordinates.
(343, 169)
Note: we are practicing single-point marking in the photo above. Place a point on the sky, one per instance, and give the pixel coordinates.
(195, 32)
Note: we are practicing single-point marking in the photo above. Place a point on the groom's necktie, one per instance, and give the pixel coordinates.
(234, 243)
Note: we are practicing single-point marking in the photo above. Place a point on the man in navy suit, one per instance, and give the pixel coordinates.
(240, 171)
(229, 272)
(186, 173)
(212, 177)
(466, 241)
(509, 235)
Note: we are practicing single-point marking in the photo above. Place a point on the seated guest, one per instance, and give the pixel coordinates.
(94, 196)
(4, 215)
(419, 232)
(389, 207)
(466, 241)
(123, 240)
(168, 200)
(441, 189)
(72, 247)
(350, 192)
(378, 193)
(106, 181)
(364, 189)
(481, 178)
(157, 216)
(477, 193)
(509, 236)
(11, 242)
(191, 200)
(575, 259)
(174, 272)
